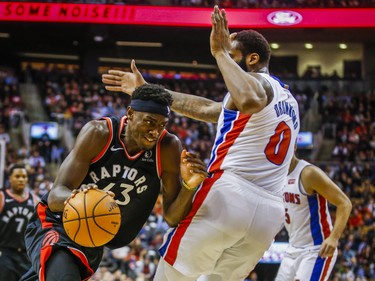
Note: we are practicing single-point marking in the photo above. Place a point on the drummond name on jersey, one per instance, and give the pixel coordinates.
(283, 107)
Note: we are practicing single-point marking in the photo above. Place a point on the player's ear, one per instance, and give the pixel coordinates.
(232, 36)
(130, 113)
(252, 59)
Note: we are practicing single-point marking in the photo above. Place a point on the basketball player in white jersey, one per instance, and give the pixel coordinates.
(238, 210)
(313, 242)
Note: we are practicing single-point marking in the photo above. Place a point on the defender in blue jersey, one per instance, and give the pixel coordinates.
(238, 210)
(313, 239)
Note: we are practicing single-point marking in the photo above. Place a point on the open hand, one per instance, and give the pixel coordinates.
(121, 81)
(193, 169)
(220, 38)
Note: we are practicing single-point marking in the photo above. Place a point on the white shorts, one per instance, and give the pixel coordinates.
(305, 264)
(231, 224)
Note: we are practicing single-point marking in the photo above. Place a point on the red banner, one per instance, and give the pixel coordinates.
(180, 16)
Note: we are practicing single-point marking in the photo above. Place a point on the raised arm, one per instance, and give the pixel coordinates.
(315, 180)
(246, 90)
(195, 107)
(189, 105)
(90, 141)
(182, 172)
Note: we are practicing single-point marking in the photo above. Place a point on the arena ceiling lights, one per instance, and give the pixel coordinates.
(4, 35)
(125, 61)
(49, 56)
(139, 44)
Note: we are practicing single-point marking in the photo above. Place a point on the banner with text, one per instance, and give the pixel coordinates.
(181, 16)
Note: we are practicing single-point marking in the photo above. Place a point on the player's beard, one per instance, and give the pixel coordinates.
(242, 63)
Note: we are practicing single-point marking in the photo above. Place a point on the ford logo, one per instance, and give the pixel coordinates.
(284, 18)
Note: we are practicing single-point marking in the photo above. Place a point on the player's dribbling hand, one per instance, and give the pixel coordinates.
(121, 81)
(193, 169)
(220, 39)
(85, 188)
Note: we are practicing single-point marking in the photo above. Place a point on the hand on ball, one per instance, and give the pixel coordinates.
(85, 188)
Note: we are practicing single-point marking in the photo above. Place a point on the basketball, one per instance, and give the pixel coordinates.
(92, 218)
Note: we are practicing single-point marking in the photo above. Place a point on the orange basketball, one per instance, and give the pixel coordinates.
(91, 219)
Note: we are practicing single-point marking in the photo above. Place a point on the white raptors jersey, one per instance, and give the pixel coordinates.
(259, 146)
(307, 217)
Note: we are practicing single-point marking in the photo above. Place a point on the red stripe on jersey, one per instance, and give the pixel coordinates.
(1, 201)
(325, 270)
(83, 259)
(121, 128)
(41, 210)
(238, 126)
(109, 123)
(123, 121)
(17, 199)
(323, 216)
(45, 253)
(202, 192)
(158, 155)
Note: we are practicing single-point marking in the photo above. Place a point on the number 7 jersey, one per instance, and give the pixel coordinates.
(258, 146)
(14, 215)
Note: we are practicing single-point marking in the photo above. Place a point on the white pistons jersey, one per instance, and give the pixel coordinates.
(258, 147)
(307, 217)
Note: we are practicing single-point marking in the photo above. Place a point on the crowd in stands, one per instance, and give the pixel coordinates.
(353, 118)
(263, 4)
(71, 99)
(11, 104)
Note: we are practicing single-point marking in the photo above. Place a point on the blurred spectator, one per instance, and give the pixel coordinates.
(36, 160)
(4, 135)
(57, 154)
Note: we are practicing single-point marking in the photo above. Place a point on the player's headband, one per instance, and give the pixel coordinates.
(150, 106)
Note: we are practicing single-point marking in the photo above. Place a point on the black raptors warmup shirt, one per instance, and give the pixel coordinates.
(14, 216)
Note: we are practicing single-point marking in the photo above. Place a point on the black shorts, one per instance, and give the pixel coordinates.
(13, 263)
(45, 234)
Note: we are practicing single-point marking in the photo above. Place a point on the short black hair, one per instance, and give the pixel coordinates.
(153, 92)
(252, 41)
(16, 166)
